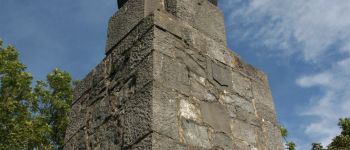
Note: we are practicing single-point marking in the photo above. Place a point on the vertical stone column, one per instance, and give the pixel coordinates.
(169, 82)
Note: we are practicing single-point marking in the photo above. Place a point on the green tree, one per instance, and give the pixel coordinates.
(342, 141)
(55, 97)
(289, 145)
(32, 118)
(317, 146)
(15, 101)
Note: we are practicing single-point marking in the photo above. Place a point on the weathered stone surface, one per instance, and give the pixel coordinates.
(242, 145)
(241, 85)
(222, 142)
(169, 82)
(164, 110)
(201, 89)
(78, 118)
(202, 15)
(241, 109)
(272, 138)
(138, 116)
(262, 94)
(244, 131)
(189, 111)
(266, 113)
(127, 18)
(221, 74)
(216, 116)
(124, 21)
(160, 142)
(239, 102)
(195, 135)
(171, 73)
(83, 86)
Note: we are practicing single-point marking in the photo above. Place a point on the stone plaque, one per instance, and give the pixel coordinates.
(221, 74)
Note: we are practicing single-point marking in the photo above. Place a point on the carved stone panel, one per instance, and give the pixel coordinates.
(221, 74)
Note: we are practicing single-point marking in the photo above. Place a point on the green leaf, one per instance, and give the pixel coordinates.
(284, 131)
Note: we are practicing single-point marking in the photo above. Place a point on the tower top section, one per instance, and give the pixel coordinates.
(202, 15)
(122, 2)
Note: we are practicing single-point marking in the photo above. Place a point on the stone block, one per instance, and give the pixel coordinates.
(242, 145)
(133, 36)
(265, 113)
(273, 138)
(127, 17)
(221, 74)
(78, 141)
(138, 116)
(241, 109)
(262, 94)
(100, 112)
(239, 102)
(242, 85)
(166, 43)
(160, 142)
(104, 137)
(195, 135)
(165, 112)
(189, 111)
(216, 116)
(194, 38)
(222, 142)
(144, 72)
(97, 93)
(201, 89)
(192, 60)
(77, 117)
(123, 65)
(244, 131)
(84, 85)
(100, 72)
(171, 73)
(200, 14)
(144, 144)
(123, 21)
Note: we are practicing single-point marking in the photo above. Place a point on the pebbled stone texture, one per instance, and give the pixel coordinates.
(168, 82)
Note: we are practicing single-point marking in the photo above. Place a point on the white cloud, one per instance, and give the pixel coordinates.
(308, 27)
(316, 31)
(322, 79)
(333, 104)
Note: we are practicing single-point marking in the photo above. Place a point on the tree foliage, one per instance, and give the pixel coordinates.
(32, 118)
(289, 145)
(340, 142)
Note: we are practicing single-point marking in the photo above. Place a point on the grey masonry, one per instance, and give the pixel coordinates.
(169, 82)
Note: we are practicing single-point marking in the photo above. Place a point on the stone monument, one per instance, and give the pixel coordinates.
(169, 82)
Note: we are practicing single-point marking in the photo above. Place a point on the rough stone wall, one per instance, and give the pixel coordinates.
(169, 82)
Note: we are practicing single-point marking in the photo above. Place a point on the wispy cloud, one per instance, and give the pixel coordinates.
(317, 32)
(310, 27)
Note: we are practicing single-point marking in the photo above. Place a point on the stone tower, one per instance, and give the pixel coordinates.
(168, 82)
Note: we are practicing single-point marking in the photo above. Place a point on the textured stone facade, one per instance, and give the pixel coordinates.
(169, 82)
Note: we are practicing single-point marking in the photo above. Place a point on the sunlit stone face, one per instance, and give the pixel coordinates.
(122, 2)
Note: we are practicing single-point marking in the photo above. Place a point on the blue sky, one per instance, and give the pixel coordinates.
(303, 46)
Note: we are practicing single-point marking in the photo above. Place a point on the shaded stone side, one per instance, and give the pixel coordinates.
(166, 83)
